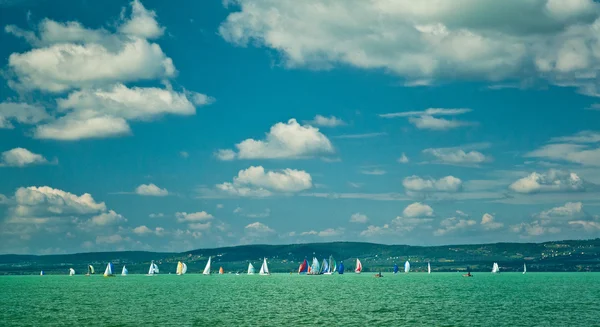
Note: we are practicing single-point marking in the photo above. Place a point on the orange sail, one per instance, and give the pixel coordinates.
(221, 271)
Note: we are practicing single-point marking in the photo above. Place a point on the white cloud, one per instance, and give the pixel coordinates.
(425, 41)
(581, 137)
(452, 225)
(569, 210)
(71, 56)
(110, 239)
(105, 112)
(488, 222)
(151, 190)
(575, 153)
(445, 184)
(417, 209)
(22, 113)
(330, 232)
(551, 181)
(220, 206)
(156, 215)
(373, 231)
(403, 159)
(373, 172)
(107, 218)
(290, 140)
(184, 154)
(359, 136)
(225, 154)
(255, 181)
(359, 218)
(428, 112)
(437, 124)
(193, 217)
(20, 157)
(457, 156)
(45, 200)
(141, 230)
(323, 121)
(258, 229)
(142, 23)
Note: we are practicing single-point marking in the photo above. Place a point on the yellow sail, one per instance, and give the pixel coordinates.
(221, 271)
(179, 268)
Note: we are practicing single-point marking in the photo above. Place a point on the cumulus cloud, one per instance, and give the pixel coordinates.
(373, 172)
(445, 184)
(488, 222)
(142, 23)
(437, 124)
(576, 148)
(581, 137)
(373, 230)
(359, 218)
(569, 210)
(20, 157)
(417, 209)
(453, 225)
(323, 121)
(258, 229)
(426, 40)
(403, 158)
(107, 218)
(193, 217)
(256, 182)
(458, 156)
(568, 216)
(21, 113)
(151, 190)
(551, 181)
(284, 140)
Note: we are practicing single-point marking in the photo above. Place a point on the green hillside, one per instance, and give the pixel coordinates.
(581, 255)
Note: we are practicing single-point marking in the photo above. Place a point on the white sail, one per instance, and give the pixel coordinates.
(524, 269)
(71, 271)
(406, 266)
(264, 269)
(124, 272)
(495, 268)
(184, 270)
(42, 273)
(250, 269)
(108, 271)
(428, 268)
(358, 267)
(207, 268)
(153, 269)
(91, 269)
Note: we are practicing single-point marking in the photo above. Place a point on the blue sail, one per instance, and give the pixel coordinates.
(341, 268)
(395, 268)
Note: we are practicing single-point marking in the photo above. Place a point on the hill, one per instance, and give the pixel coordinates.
(575, 255)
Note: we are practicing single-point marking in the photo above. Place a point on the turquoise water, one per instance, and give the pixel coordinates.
(415, 299)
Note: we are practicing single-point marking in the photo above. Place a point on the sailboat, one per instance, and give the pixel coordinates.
(331, 266)
(428, 268)
(90, 270)
(71, 271)
(207, 268)
(341, 268)
(42, 273)
(315, 267)
(395, 269)
(250, 269)
(124, 271)
(495, 268)
(524, 269)
(406, 266)
(264, 269)
(108, 272)
(324, 266)
(303, 267)
(181, 268)
(221, 271)
(358, 267)
(153, 269)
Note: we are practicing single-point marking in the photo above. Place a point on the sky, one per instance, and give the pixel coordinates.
(170, 126)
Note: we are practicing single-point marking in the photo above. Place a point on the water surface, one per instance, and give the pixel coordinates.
(415, 299)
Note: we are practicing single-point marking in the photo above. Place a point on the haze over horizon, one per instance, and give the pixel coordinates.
(144, 125)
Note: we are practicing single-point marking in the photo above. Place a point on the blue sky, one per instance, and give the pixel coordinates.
(153, 126)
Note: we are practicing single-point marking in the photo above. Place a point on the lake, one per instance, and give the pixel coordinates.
(414, 299)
